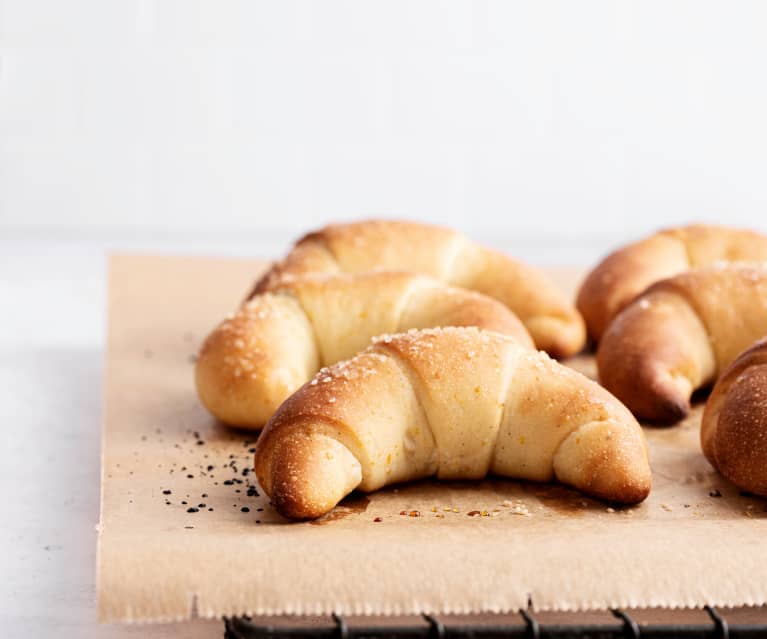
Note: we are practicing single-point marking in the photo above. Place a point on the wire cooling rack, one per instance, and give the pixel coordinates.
(709, 622)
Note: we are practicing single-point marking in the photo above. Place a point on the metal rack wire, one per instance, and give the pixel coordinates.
(530, 626)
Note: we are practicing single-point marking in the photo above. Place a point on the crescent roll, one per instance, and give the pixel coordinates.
(455, 403)
(446, 255)
(278, 339)
(680, 334)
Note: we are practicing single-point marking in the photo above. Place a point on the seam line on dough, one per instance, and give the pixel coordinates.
(416, 386)
(686, 246)
(460, 244)
(508, 382)
(693, 307)
(289, 292)
(321, 242)
(415, 285)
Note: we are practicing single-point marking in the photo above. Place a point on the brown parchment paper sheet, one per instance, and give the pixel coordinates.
(696, 540)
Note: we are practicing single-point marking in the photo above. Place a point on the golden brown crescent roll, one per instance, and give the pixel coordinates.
(627, 272)
(277, 340)
(450, 257)
(679, 334)
(457, 403)
(734, 428)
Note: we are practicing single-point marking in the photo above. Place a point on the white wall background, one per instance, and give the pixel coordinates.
(258, 119)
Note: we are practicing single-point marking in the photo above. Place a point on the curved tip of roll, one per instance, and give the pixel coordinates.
(235, 397)
(608, 460)
(651, 391)
(309, 473)
(560, 337)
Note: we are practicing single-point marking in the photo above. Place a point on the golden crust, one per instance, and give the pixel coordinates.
(680, 334)
(246, 366)
(554, 323)
(453, 402)
(734, 426)
(627, 272)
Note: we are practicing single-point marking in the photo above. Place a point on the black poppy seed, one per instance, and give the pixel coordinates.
(245, 509)
(210, 468)
(260, 510)
(252, 450)
(258, 521)
(167, 503)
(210, 509)
(200, 442)
(190, 476)
(201, 506)
(183, 503)
(228, 482)
(204, 495)
(166, 492)
(245, 472)
(191, 510)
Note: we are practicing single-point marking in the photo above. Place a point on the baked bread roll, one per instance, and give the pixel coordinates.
(277, 340)
(457, 403)
(679, 334)
(734, 427)
(450, 257)
(627, 272)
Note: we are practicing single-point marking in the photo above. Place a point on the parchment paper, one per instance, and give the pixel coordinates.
(471, 547)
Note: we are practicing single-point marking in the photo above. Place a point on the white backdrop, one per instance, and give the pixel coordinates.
(507, 119)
